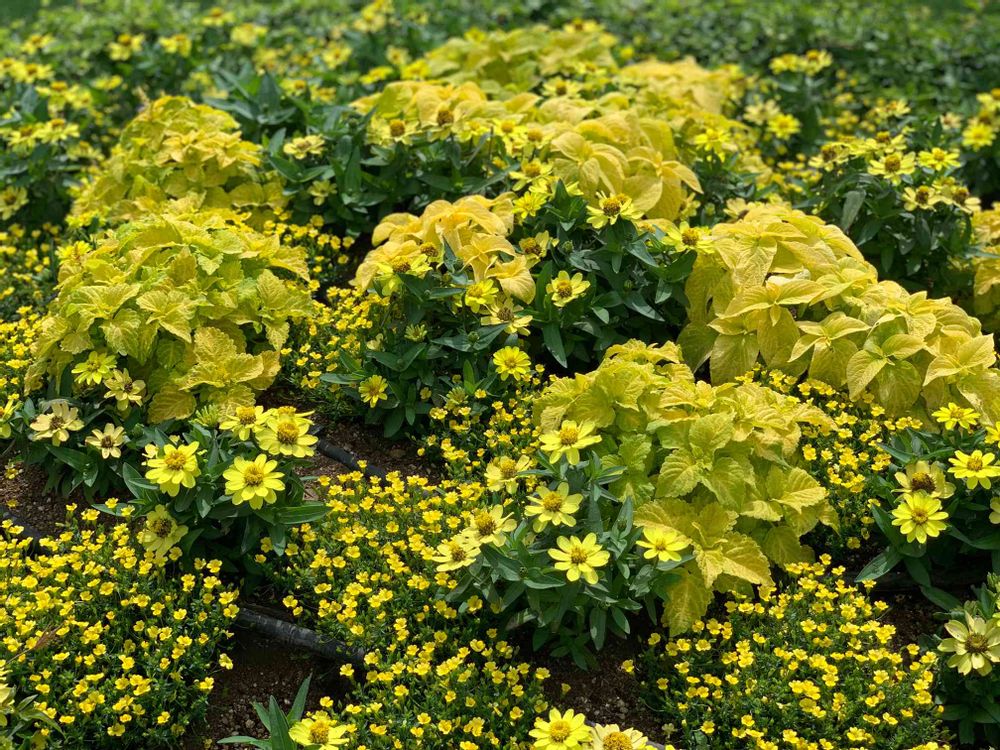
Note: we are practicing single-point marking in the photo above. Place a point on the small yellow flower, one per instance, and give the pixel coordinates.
(976, 468)
(953, 414)
(287, 434)
(553, 506)
(319, 732)
(663, 545)
(254, 482)
(562, 731)
(174, 467)
(568, 440)
(373, 389)
(564, 288)
(108, 441)
(57, 424)
(160, 531)
(611, 208)
(511, 362)
(974, 645)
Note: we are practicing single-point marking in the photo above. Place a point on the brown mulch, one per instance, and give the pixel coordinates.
(24, 498)
(260, 669)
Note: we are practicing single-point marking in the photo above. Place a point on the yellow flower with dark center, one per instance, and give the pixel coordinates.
(561, 731)
(501, 473)
(373, 389)
(97, 367)
(124, 390)
(511, 362)
(287, 435)
(553, 506)
(108, 441)
(974, 645)
(919, 516)
(611, 737)
(579, 558)
(488, 526)
(924, 477)
(254, 482)
(610, 209)
(976, 468)
(455, 554)
(481, 294)
(160, 532)
(568, 440)
(57, 424)
(173, 467)
(243, 420)
(564, 288)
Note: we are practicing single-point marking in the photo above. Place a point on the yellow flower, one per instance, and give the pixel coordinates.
(976, 468)
(319, 732)
(57, 424)
(609, 209)
(97, 367)
(924, 477)
(124, 390)
(685, 238)
(174, 467)
(488, 526)
(243, 420)
(568, 440)
(108, 441)
(255, 482)
(160, 531)
(953, 414)
(304, 146)
(893, 166)
(562, 731)
(455, 554)
(564, 288)
(511, 362)
(783, 126)
(553, 506)
(481, 294)
(610, 737)
(579, 558)
(995, 510)
(663, 545)
(373, 389)
(974, 645)
(285, 434)
(919, 516)
(501, 473)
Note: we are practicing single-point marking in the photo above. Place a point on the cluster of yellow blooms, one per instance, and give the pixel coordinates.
(809, 667)
(106, 639)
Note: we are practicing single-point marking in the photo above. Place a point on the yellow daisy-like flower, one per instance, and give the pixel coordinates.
(57, 424)
(976, 468)
(974, 645)
(459, 552)
(373, 389)
(97, 367)
(924, 477)
(995, 510)
(568, 440)
(611, 737)
(243, 420)
(919, 516)
(684, 238)
(287, 434)
(124, 390)
(663, 545)
(611, 208)
(553, 506)
(488, 526)
(160, 532)
(174, 467)
(561, 731)
(564, 288)
(108, 441)
(953, 414)
(319, 732)
(579, 558)
(255, 482)
(501, 473)
(511, 362)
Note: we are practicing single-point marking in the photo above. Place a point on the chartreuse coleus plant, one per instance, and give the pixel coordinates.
(969, 683)
(783, 288)
(648, 487)
(176, 150)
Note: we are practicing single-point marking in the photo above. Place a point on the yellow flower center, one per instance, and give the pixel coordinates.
(532, 169)
(690, 237)
(977, 643)
(578, 556)
(175, 460)
(892, 163)
(253, 475)
(287, 433)
(56, 422)
(445, 117)
(919, 515)
(457, 552)
(508, 468)
(611, 206)
(617, 741)
(246, 415)
(552, 502)
(974, 463)
(922, 481)
(319, 733)
(530, 245)
(400, 264)
(564, 288)
(108, 442)
(486, 524)
(559, 730)
(568, 434)
(397, 128)
(161, 527)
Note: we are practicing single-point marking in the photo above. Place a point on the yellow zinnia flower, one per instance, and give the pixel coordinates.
(953, 414)
(255, 482)
(564, 288)
(562, 731)
(974, 645)
(568, 441)
(174, 467)
(553, 506)
(663, 545)
(976, 468)
(287, 434)
(319, 732)
(579, 558)
(57, 424)
(919, 516)
(511, 362)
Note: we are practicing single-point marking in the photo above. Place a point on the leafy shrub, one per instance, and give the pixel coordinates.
(809, 664)
(912, 353)
(968, 685)
(196, 308)
(177, 150)
(116, 648)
